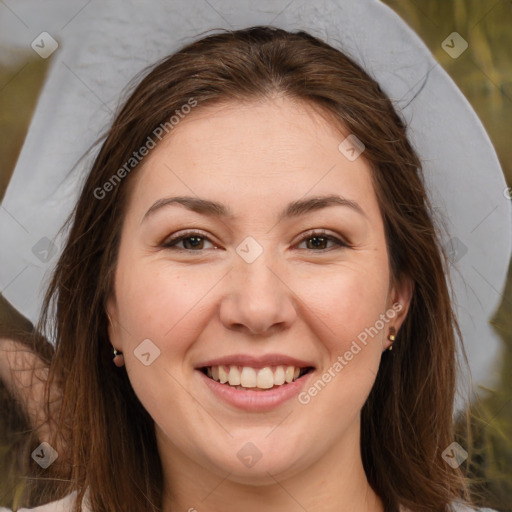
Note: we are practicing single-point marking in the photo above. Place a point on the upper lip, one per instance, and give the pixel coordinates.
(256, 361)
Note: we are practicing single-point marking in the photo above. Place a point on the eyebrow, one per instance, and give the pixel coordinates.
(220, 210)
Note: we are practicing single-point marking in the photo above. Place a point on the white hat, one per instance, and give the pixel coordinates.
(96, 50)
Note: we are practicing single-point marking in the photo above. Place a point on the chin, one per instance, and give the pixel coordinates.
(258, 463)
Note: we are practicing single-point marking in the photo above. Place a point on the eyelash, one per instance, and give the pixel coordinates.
(171, 243)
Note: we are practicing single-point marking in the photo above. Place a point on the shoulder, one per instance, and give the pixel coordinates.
(63, 505)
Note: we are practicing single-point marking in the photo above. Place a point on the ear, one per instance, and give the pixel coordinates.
(399, 300)
(111, 312)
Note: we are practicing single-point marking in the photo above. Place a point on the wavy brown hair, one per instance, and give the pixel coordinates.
(407, 420)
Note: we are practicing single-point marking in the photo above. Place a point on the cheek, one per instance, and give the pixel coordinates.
(162, 303)
(348, 301)
(347, 317)
(156, 300)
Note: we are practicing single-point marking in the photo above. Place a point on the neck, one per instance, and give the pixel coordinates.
(335, 483)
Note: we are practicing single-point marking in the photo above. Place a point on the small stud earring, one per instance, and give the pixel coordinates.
(391, 338)
(118, 357)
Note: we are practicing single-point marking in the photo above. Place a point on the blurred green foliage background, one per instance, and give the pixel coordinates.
(484, 74)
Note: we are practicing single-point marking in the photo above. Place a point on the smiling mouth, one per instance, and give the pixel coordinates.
(255, 379)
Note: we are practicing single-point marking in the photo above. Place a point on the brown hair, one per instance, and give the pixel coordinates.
(407, 420)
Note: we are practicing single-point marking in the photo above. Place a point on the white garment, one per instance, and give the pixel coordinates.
(63, 505)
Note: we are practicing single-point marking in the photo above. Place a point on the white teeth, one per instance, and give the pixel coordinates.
(247, 377)
(279, 376)
(234, 376)
(265, 378)
(223, 375)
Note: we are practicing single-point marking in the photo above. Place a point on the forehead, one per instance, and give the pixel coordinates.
(253, 154)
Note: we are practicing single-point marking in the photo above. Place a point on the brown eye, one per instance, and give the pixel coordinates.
(318, 241)
(192, 241)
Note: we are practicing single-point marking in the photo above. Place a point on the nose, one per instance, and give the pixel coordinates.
(258, 300)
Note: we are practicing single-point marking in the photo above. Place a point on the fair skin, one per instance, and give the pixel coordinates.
(294, 299)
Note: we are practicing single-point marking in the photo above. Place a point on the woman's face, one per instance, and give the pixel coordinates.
(262, 280)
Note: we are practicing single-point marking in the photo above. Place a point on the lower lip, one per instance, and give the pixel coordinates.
(255, 401)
